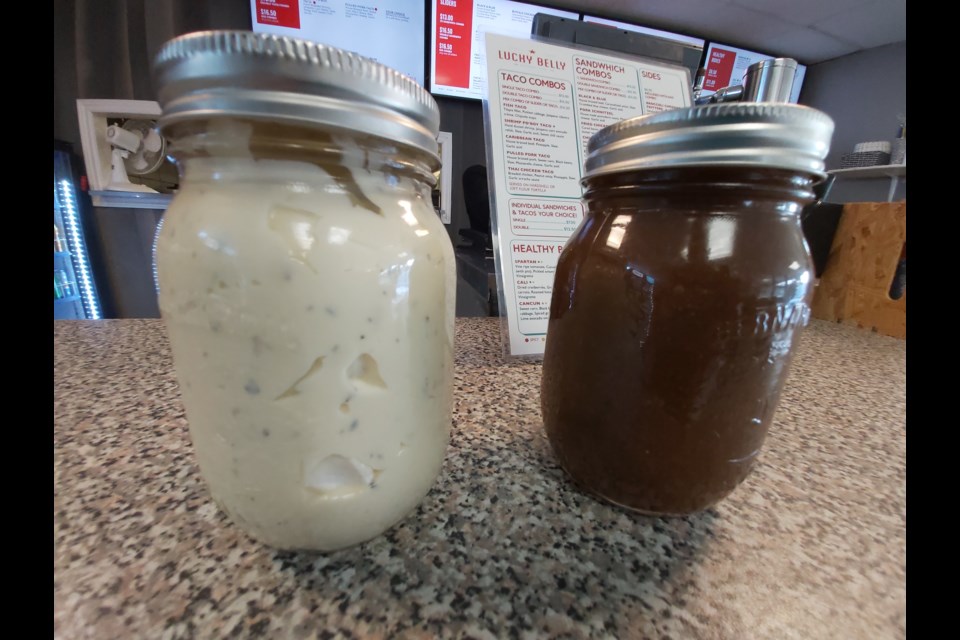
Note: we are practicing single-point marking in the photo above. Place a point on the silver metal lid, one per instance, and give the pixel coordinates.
(270, 77)
(754, 134)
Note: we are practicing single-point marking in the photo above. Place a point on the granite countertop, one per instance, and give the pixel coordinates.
(812, 545)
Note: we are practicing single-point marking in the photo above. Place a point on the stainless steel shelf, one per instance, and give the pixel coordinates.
(892, 171)
(131, 199)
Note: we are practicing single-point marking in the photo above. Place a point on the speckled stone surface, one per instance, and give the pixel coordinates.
(812, 545)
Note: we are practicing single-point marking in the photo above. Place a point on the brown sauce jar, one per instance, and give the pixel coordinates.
(678, 301)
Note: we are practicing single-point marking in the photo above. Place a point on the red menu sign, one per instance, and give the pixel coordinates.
(719, 69)
(454, 25)
(279, 13)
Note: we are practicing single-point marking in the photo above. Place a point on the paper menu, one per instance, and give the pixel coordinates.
(458, 51)
(391, 33)
(544, 101)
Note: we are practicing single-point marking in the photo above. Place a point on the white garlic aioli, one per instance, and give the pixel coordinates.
(313, 341)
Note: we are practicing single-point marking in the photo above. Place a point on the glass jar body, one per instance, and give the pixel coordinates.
(675, 312)
(307, 287)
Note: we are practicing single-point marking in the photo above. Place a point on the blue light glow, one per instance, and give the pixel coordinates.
(71, 222)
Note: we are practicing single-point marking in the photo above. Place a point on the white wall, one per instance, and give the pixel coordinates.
(863, 92)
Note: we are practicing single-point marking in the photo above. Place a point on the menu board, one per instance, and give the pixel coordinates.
(458, 57)
(726, 66)
(389, 31)
(544, 101)
(667, 35)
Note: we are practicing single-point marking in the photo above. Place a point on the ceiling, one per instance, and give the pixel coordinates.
(810, 31)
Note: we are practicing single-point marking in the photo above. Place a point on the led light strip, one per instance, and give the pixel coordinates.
(72, 223)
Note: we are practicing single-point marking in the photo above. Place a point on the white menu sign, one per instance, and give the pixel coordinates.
(544, 103)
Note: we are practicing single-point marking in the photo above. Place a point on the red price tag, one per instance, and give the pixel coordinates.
(279, 13)
(719, 69)
(454, 25)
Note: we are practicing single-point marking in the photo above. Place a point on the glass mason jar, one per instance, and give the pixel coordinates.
(306, 283)
(678, 301)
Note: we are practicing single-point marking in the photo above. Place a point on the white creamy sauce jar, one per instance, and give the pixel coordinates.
(306, 283)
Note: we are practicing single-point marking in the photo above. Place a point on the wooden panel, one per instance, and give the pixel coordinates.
(855, 287)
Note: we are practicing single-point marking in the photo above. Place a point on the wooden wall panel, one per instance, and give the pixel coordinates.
(855, 287)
